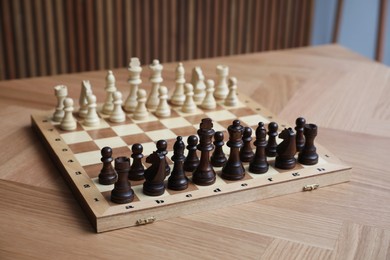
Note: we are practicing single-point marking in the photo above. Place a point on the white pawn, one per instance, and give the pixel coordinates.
(163, 109)
(117, 114)
(221, 88)
(141, 112)
(178, 96)
(108, 106)
(68, 122)
(92, 118)
(60, 91)
(231, 99)
(209, 100)
(189, 105)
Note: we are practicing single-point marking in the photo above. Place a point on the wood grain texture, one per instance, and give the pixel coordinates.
(348, 221)
(65, 36)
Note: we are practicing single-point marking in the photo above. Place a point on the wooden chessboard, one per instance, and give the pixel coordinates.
(77, 155)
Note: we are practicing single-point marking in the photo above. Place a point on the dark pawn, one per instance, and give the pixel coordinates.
(204, 173)
(192, 160)
(178, 180)
(270, 149)
(233, 169)
(155, 175)
(259, 163)
(122, 192)
(308, 155)
(299, 128)
(246, 152)
(218, 158)
(107, 175)
(137, 169)
(162, 148)
(286, 150)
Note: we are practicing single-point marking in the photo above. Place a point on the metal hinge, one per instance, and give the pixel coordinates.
(144, 221)
(310, 187)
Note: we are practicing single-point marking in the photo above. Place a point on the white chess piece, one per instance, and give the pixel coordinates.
(60, 91)
(209, 100)
(92, 118)
(108, 105)
(163, 109)
(117, 114)
(221, 88)
(178, 96)
(189, 105)
(197, 81)
(141, 112)
(86, 90)
(68, 123)
(232, 100)
(156, 80)
(134, 80)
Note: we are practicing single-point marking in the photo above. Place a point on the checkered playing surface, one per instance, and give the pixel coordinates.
(86, 142)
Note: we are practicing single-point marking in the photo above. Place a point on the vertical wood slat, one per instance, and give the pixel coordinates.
(8, 39)
(30, 42)
(81, 56)
(61, 36)
(90, 34)
(19, 40)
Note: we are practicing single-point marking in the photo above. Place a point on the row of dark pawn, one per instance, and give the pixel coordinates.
(241, 150)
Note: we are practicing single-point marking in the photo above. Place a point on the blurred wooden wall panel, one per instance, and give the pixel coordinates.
(46, 37)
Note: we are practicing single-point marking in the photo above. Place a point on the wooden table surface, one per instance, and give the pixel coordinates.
(347, 95)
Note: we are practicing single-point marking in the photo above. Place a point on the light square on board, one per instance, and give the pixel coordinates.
(221, 115)
(161, 134)
(76, 137)
(148, 148)
(175, 122)
(112, 142)
(89, 158)
(130, 129)
(253, 120)
(102, 124)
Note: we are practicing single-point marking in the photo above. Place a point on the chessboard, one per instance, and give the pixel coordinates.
(77, 155)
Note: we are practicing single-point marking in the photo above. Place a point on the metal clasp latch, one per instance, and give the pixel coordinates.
(144, 221)
(310, 187)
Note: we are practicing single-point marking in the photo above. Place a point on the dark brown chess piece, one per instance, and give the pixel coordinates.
(299, 128)
(259, 163)
(162, 148)
(107, 175)
(192, 160)
(270, 149)
(233, 169)
(122, 192)
(308, 155)
(204, 174)
(137, 169)
(178, 180)
(286, 150)
(155, 174)
(246, 152)
(218, 158)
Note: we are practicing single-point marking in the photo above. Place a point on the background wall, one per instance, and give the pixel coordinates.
(358, 26)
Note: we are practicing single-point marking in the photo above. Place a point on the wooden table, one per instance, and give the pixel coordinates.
(345, 94)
